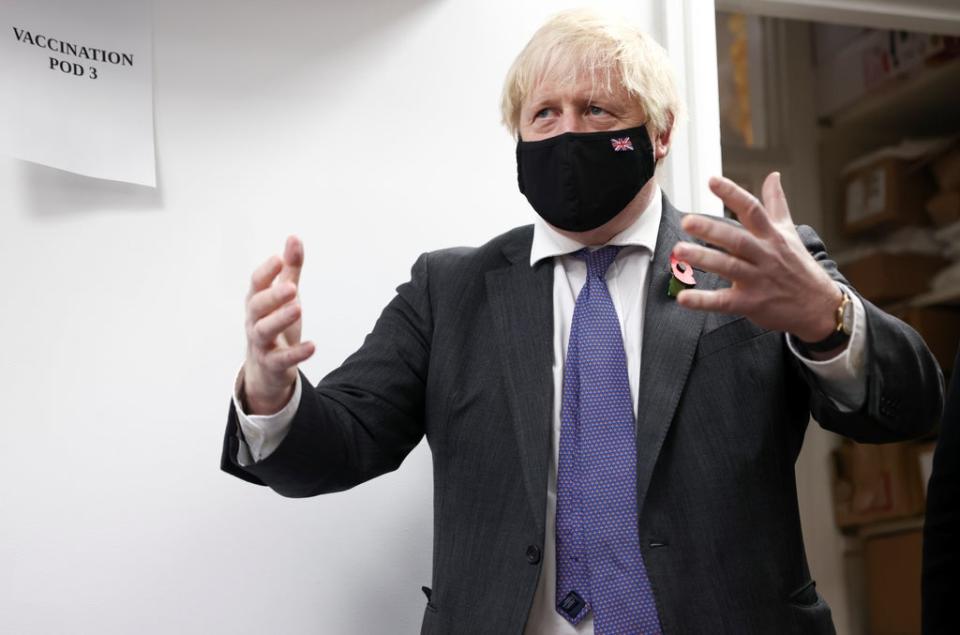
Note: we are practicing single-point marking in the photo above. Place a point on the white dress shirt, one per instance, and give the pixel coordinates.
(842, 377)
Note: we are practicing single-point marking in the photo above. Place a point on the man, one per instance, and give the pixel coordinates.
(941, 531)
(608, 458)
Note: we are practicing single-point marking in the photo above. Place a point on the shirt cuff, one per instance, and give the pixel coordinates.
(259, 435)
(843, 377)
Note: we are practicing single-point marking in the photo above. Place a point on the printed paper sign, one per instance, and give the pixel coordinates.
(76, 86)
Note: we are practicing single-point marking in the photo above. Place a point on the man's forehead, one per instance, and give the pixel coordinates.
(580, 86)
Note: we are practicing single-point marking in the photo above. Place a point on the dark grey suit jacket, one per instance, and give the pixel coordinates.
(463, 355)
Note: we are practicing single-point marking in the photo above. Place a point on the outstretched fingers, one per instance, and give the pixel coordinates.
(722, 264)
(750, 211)
(266, 330)
(292, 260)
(729, 237)
(268, 300)
(264, 275)
(279, 360)
(720, 300)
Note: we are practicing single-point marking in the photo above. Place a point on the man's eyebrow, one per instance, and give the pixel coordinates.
(539, 103)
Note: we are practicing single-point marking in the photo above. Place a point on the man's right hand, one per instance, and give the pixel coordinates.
(273, 327)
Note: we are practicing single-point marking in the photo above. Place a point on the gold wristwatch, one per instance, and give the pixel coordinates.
(840, 335)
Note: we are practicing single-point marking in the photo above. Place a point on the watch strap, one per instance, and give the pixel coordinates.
(837, 338)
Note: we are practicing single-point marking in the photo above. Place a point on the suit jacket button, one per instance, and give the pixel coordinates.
(533, 554)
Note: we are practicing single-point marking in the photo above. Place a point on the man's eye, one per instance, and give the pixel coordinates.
(542, 113)
(597, 110)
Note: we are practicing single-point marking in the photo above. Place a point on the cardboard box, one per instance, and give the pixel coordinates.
(944, 208)
(885, 194)
(875, 482)
(872, 61)
(947, 170)
(939, 326)
(884, 278)
(892, 566)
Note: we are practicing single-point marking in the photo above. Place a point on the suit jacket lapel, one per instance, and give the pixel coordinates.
(521, 300)
(670, 336)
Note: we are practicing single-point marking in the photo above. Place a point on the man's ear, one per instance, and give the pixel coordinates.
(661, 143)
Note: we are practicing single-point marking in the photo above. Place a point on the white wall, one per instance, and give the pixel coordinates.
(370, 129)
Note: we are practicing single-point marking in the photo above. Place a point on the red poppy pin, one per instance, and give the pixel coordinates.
(682, 277)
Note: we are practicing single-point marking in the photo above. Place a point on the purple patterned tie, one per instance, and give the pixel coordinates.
(599, 564)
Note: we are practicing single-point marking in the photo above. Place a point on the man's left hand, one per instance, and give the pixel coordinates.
(775, 281)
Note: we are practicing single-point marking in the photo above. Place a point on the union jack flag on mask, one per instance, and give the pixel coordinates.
(622, 144)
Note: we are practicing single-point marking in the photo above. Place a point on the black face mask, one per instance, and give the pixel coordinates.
(579, 181)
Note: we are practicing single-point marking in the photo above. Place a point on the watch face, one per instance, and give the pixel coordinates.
(848, 317)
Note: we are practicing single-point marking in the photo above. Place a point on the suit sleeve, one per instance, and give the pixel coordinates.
(904, 396)
(843, 376)
(363, 418)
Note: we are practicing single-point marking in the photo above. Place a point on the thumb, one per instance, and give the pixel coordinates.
(774, 199)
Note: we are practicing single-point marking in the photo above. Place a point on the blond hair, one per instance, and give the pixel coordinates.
(585, 43)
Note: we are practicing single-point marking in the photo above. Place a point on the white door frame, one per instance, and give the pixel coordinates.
(687, 30)
(925, 16)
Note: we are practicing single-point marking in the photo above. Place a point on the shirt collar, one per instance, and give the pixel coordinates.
(548, 242)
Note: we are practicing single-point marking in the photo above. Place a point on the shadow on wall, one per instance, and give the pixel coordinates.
(49, 193)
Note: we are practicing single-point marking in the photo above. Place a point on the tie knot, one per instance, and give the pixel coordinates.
(599, 260)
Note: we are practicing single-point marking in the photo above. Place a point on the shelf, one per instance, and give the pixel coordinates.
(942, 297)
(924, 101)
(920, 105)
(887, 527)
